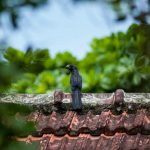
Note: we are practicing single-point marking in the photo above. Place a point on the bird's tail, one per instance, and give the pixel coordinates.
(76, 99)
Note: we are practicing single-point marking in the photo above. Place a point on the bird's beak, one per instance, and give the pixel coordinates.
(67, 67)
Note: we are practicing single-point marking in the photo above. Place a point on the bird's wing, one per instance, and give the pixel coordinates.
(76, 81)
(80, 81)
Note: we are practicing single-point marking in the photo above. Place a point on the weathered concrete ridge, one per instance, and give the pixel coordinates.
(87, 98)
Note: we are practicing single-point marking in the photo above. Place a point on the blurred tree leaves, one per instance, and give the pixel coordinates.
(120, 60)
(13, 7)
(123, 9)
(29, 61)
(122, 57)
(8, 74)
(12, 124)
(62, 59)
(15, 56)
(131, 8)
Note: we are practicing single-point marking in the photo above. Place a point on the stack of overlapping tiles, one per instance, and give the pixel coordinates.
(103, 131)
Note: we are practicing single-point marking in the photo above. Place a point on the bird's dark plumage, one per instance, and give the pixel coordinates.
(76, 86)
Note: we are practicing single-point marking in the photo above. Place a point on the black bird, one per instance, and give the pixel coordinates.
(76, 86)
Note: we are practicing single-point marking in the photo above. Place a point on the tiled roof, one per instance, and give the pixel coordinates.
(106, 123)
(112, 122)
(119, 141)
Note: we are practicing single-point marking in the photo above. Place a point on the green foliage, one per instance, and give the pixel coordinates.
(8, 74)
(39, 70)
(29, 61)
(62, 59)
(22, 145)
(120, 60)
(12, 124)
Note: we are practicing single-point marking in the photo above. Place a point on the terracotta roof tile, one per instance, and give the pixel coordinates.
(119, 141)
(73, 124)
(99, 127)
